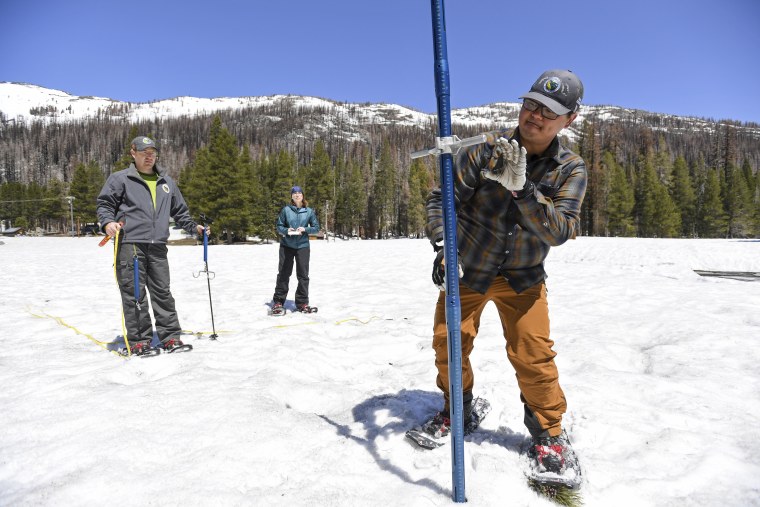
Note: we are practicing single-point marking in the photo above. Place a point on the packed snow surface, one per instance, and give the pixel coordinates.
(659, 366)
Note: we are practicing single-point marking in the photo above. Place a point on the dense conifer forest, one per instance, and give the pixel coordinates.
(650, 175)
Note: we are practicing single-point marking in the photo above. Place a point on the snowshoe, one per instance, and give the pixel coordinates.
(174, 345)
(277, 310)
(142, 349)
(435, 431)
(554, 470)
(306, 309)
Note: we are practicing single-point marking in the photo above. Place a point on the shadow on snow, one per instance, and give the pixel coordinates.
(405, 410)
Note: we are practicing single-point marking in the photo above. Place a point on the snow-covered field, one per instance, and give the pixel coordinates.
(661, 368)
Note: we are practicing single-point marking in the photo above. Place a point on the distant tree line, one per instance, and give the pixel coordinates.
(649, 176)
(654, 192)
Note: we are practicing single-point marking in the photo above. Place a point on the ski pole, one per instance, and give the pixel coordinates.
(204, 222)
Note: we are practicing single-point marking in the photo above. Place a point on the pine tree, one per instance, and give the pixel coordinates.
(419, 187)
(80, 190)
(320, 181)
(12, 196)
(278, 174)
(645, 205)
(252, 191)
(698, 172)
(383, 192)
(749, 178)
(658, 216)
(737, 201)
(35, 193)
(215, 184)
(53, 209)
(620, 201)
(594, 211)
(682, 192)
(352, 201)
(257, 196)
(225, 183)
(712, 221)
(667, 218)
(661, 161)
(86, 184)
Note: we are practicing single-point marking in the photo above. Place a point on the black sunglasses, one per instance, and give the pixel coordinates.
(531, 105)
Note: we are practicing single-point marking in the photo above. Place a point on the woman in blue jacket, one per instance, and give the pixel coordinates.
(294, 224)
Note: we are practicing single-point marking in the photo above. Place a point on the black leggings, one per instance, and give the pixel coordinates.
(287, 256)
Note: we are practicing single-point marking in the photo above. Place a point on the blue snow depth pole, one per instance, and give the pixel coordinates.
(453, 313)
(445, 145)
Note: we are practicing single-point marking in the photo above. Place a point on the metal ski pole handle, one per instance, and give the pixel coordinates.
(450, 144)
(445, 145)
(204, 222)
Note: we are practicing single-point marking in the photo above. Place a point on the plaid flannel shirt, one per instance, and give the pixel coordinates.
(500, 234)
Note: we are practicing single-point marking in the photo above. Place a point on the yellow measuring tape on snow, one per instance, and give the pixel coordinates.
(337, 322)
(374, 317)
(77, 331)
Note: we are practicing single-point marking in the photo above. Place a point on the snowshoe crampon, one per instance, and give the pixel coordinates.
(434, 433)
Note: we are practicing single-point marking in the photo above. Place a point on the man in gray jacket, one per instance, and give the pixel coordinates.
(137, 203)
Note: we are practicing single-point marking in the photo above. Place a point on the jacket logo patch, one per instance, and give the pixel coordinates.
(165, 187)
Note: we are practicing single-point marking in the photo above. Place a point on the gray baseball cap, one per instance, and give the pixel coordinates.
(142, 143)
(560, 90)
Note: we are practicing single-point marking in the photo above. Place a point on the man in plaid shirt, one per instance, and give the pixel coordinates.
(516, 196)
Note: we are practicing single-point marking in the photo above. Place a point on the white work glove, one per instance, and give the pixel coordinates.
(512, 173)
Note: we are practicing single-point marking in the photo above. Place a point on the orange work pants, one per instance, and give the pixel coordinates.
(525, 321)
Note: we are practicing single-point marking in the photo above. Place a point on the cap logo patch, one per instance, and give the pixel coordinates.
(552, 85)
(146, 140)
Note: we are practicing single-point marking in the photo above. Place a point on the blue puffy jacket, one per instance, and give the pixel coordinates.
(292, 217)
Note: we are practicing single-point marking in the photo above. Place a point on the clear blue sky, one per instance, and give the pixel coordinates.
(699, 58)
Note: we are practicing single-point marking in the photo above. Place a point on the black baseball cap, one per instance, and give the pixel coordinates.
(560, 90)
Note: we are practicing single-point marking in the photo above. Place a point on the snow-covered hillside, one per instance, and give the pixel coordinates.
(27, 103)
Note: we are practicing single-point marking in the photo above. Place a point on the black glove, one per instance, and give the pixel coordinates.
(439, 270)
